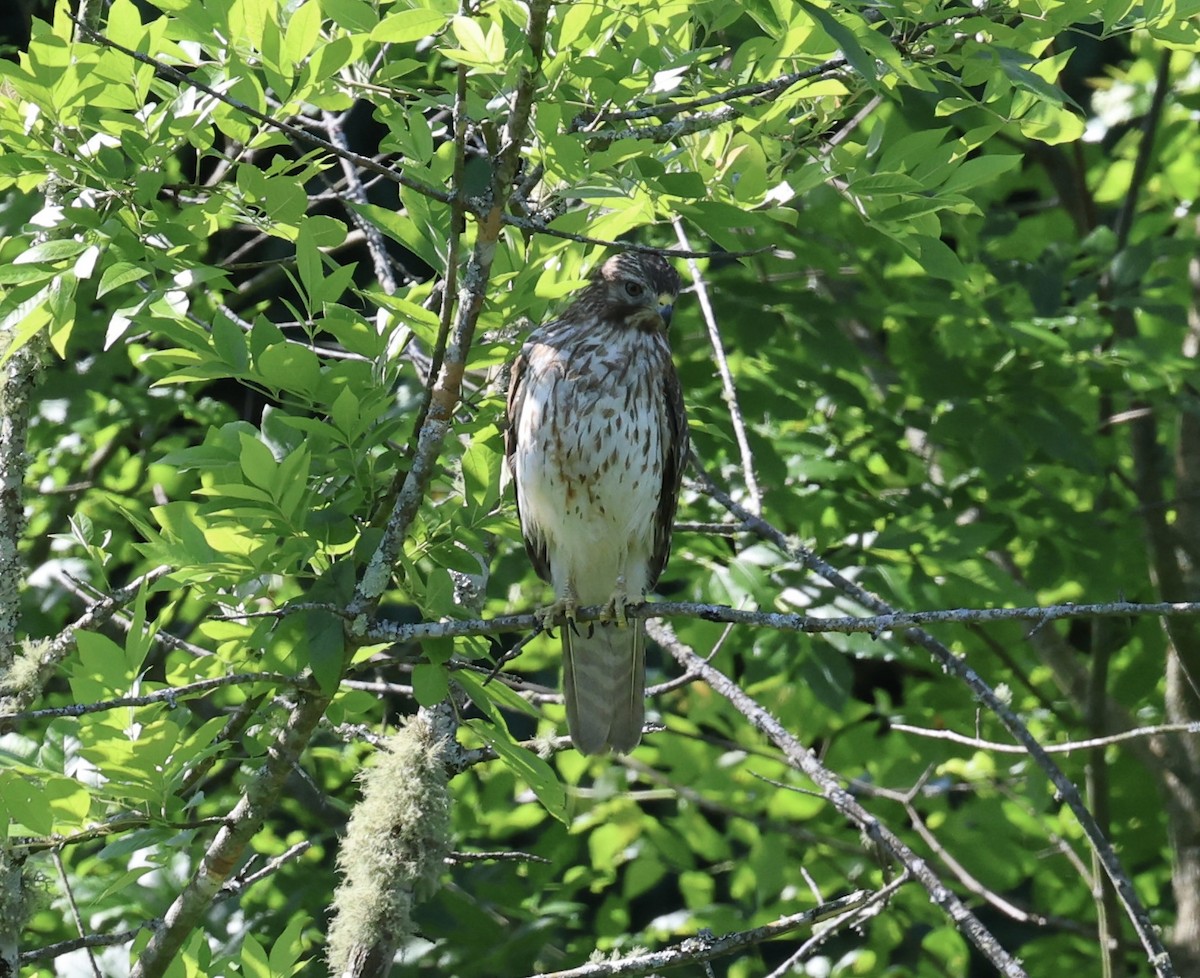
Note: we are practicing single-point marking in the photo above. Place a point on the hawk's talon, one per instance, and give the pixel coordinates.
(614, 610)
(565, 608)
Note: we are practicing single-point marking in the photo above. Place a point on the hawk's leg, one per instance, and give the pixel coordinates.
(614, 610)
(565, 608)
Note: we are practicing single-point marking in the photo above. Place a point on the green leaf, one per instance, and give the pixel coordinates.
(408, 25)
(431, 683)
(254, 959)
(285, 952)
(312, 275)
(22, 801)
(481, 465)
(257, 462)
(229, 342)
(354, 15)
(845, 39)
(534, 771)
(980, 170)
(482, 52)
(303, 29)
(291, 367)
(118, 274)
(326, 648)
(50, 251)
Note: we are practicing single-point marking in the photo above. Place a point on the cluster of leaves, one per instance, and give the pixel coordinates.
(928, 351)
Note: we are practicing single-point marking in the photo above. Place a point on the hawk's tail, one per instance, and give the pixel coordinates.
(604, 684)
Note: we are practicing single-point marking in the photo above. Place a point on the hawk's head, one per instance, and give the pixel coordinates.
(635, 288)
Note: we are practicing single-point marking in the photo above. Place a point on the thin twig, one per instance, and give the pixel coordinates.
(874, 625)
(51, 951)
(1075, 745)
(76, 916)
(852, 918)
(514, 856)
(235, 887)
(728, 390)
(170, 696)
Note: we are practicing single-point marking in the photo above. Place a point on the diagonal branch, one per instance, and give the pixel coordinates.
(447, 388)
(229, 846)
(802, 759)
(51, 653)
(952, 664)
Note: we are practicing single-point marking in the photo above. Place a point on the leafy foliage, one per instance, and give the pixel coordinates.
(951, 254)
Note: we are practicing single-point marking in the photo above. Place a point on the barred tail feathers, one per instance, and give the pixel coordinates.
(604, 684)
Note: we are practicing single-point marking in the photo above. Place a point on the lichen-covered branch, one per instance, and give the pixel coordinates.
(697, 950)
(802, 759)
(954, 665)
(36, 662)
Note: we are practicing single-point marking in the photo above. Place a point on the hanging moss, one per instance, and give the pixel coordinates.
(394, 851)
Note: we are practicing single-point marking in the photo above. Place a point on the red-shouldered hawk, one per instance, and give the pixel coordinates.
(596, 441)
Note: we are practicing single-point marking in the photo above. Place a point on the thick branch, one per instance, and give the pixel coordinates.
(448, 387)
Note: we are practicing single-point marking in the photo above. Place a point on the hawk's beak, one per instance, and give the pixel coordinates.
(665, 308)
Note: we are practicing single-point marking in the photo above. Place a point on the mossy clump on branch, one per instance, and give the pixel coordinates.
(394, 851)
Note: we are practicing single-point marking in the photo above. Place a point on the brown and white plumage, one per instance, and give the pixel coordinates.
(596, 441)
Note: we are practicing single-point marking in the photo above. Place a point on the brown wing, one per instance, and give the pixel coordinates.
(535, 545)
(675, 444)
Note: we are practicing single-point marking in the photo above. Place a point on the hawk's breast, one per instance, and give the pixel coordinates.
(589, 462)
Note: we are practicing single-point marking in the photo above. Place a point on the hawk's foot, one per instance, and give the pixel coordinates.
(614, 611)
(564, 608)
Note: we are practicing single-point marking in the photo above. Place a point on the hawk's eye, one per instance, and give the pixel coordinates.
(634, 289)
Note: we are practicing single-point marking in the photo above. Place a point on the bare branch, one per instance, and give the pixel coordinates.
(1075, 745)
(76, 916)
(170, 696)
(51, 951)
(874, 625)
(376, 246)
(700, 948)
(234, 887)
(515, 856)
(728, 390)
(852, 918)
